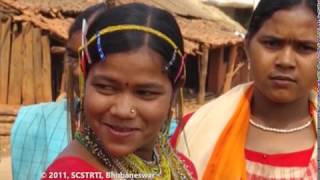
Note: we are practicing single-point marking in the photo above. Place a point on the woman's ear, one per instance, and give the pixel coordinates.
(247, 42)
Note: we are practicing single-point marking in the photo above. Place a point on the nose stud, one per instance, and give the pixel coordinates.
(132, 110)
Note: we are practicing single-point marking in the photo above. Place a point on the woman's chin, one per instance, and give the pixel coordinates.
(283, 97)
(281, 100)
(119, 150)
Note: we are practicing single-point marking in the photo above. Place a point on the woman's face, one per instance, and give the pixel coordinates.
(283, 55)
(127, 99)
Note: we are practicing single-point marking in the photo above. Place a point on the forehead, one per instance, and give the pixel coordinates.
(296, 22)
(140, 65)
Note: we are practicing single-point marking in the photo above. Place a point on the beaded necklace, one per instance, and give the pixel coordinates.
(167, 165)
(276, 130)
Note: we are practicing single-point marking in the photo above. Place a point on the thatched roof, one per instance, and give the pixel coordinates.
(57, 26)
(233, 3)
(73, 6)
(200, 24)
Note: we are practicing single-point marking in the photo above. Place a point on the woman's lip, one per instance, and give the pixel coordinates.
(282, 83)
(282, 78)
(120, 131)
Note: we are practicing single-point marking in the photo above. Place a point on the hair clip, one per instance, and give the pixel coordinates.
(99, 47)
(181, 68)
(173, 59)
(84, 41)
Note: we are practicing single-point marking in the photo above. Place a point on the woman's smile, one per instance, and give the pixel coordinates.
(117, 131)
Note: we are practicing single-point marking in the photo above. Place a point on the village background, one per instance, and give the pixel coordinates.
(33, 33)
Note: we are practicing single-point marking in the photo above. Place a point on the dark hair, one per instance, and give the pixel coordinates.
(86, 14)
(266, 8)
(72, 81)
(123, 41)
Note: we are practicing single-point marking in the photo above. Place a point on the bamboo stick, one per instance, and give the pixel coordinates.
(203, 74)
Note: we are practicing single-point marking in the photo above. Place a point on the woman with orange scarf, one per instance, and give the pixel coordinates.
(265, 129)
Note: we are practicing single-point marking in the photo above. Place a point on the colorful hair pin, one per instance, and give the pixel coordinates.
(133, 27)
(173, 59)
(99, 47)
(181, 68)
(82, 60)
(82, 36)
(84, 40)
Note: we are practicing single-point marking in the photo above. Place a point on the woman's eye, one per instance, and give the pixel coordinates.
(105, 89)
(305, 48)
(271, 44)
(147, 94)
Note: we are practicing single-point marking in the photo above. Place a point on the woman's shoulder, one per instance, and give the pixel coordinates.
(70, 163)
(74, 162)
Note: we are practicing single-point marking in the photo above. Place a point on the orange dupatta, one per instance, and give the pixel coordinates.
(228, 158)
(227, 162)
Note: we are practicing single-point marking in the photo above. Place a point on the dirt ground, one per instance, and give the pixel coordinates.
(5, 159)
(5, 168)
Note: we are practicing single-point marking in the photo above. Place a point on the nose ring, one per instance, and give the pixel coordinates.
(132, 110)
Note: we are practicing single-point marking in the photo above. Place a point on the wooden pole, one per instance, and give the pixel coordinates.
(37, 63)
(5, 51)
(203, 74)
(212, 71)
(231, 65)
(216, 75)
(46, 69)
(221, 75)
(16, 67)
(28, 94)
(2, 97)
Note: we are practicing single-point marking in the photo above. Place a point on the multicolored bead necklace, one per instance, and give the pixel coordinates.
(165, 164)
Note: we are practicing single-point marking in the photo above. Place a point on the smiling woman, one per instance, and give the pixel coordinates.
(132, 63)
(266, 129)
(128, 99)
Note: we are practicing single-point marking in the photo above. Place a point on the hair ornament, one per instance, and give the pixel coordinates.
(99, 47)
(173, 59)
(84, 40)
(129, 27)
(132, 27)
(181, 68)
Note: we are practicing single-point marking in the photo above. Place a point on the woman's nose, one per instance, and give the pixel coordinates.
(286, 58)
(123, 107)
